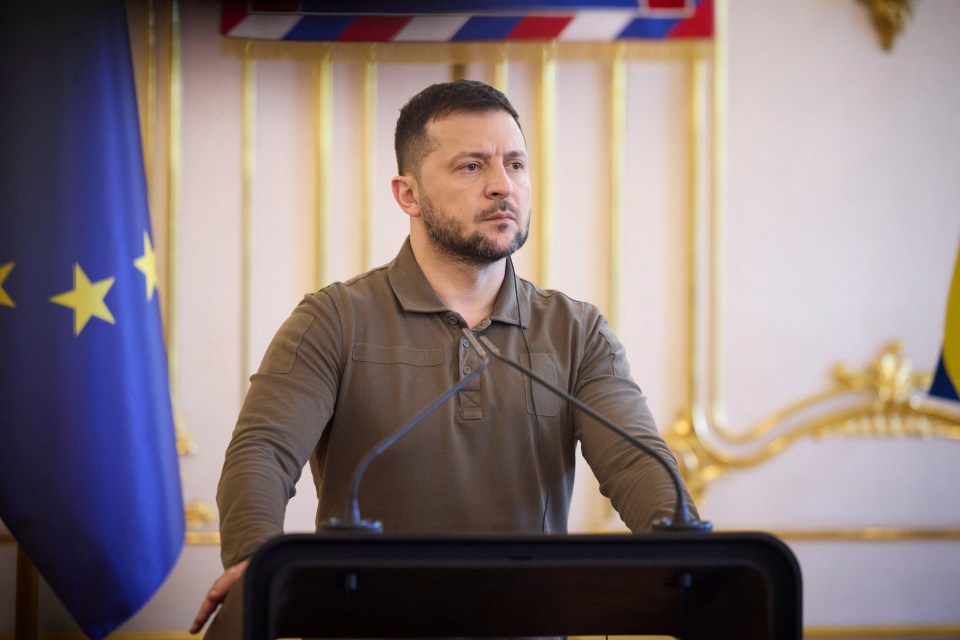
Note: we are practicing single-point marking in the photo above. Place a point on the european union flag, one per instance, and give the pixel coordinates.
(89, 479)
(946, 382)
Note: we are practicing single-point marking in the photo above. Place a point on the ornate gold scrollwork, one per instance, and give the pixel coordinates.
(198, 514)
(186, 445)
(889, 18)
(885, 400)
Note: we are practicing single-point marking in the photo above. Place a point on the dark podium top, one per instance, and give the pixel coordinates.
(720, 586)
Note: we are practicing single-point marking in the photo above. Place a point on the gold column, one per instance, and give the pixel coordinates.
(174, 151)
(185, 443)
(368, 148)
(323, 148)
(150, 93)
(618, 162)
(696, 206)
(544, 183)
(501, 67)
(718, 207)
(248, 151)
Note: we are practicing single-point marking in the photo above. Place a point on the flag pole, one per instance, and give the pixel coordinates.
(27, 605)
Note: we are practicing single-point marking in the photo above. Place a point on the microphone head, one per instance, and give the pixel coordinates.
(352, 526)
(662, 525)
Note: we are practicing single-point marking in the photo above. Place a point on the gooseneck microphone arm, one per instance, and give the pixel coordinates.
(682, 520)
(352, 520)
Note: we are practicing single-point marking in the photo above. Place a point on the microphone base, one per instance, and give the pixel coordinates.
(352, 526)
(667, 525)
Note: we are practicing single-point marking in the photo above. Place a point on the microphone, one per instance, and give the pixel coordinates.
(681, 520)
(351, 520)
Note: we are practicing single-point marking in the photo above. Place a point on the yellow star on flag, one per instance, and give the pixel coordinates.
(86, 300)
(147, 263)
(5, 298)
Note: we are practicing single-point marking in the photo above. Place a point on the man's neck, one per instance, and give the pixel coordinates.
(468, 289)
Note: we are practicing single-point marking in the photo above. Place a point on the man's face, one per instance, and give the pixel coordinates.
(474, 187)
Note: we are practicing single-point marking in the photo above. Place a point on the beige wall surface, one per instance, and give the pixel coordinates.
(828, 181)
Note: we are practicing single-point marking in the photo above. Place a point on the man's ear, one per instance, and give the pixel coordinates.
(405, 193)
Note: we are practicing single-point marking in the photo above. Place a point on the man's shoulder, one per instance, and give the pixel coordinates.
(336, 296)
(555, 299)
(374, 276)
(360, 283)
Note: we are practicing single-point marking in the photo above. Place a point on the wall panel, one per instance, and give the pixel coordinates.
(793, 209)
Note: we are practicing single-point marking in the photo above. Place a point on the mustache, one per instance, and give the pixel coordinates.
(499, 207)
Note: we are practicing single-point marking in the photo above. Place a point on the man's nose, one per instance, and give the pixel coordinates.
(499, 185)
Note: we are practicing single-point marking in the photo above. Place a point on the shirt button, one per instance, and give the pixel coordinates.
(451, 320)
(465, 343)
(467, 370)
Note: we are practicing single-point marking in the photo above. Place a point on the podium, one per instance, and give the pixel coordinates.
(691, 586)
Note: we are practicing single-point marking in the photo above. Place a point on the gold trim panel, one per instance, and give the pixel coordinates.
(870, 534)
(885, 400)
(546, 143)
(368, 144)
(323, 148)
(618, 169)
(890, 631)
(248, 143)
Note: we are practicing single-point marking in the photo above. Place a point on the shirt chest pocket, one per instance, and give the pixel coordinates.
(541, 400)
(364, 352)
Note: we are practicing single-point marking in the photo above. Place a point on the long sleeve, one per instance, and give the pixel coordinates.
(639, 488)
(285, 411)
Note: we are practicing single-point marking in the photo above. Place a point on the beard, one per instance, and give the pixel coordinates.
(448, 235)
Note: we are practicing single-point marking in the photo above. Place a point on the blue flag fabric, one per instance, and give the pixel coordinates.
(89, 478)
(946, 381)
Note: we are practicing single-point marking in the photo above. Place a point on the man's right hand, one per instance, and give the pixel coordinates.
(217, 593)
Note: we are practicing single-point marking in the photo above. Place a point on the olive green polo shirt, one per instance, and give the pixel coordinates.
(356, 360)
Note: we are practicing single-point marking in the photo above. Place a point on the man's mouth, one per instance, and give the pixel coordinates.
(501, 212)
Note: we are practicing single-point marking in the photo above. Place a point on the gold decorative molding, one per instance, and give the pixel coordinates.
(199, 514)
(617, 144)
(904, 632)
(174, 166)
(543, 195)
(868, 534)
(248, 146)
(323, 150)
(186, 445)
(368, 143)
(887, 399)
(889, 18)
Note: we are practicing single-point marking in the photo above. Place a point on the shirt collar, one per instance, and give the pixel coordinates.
(416, 295)
(505, 308)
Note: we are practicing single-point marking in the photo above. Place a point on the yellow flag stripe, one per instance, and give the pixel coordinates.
(951, 332)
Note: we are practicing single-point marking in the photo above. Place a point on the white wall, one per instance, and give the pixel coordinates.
(842, 222)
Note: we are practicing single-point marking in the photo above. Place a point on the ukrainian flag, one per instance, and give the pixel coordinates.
(946, 382)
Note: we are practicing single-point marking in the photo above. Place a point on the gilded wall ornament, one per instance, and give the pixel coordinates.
(887, 399)
(889, 18)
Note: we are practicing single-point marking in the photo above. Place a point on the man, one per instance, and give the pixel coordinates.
(356, 360)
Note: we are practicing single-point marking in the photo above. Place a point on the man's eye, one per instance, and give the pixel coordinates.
(471, 166)
(516, 166)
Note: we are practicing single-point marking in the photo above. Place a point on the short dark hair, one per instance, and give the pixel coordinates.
(436, 102)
